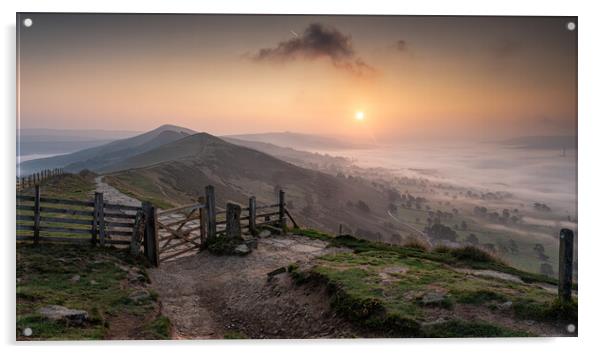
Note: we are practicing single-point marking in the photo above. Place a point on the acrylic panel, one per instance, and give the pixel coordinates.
(212, 176)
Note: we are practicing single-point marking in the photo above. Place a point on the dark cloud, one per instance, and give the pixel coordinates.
(401, 45)
(318, 41)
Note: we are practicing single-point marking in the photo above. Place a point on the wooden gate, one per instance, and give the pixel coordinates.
(180, 231)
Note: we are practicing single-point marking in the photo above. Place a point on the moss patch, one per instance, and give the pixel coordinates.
(45, 276)
(393, 289)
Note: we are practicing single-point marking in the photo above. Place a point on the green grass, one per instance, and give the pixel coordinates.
(159, 328)
(457, 328)
(382, 286)
(78, 186)
(68, 186)
(44, 276)
(140, 187)
(235, 335)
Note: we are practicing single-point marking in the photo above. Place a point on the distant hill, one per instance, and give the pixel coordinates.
(178, 172)
(302, 141)
(98, 157)
(316, 161)
(61, 141)
(568, 142)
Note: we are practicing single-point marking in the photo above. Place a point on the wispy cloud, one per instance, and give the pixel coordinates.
(317, 42)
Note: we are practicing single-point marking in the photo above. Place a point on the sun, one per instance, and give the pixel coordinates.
(359, 116)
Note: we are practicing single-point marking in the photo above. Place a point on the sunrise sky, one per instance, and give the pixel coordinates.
(410, 76)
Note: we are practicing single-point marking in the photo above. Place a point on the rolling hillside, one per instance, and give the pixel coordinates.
(177, 172)
(100, 156)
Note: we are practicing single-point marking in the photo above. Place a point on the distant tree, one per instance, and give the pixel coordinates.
(392, 207)
(546, 269)
(540, 251)
(513, 247)
(362, 206)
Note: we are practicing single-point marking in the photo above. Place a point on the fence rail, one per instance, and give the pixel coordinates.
(164, 234)
(31, 180)
(45, 219)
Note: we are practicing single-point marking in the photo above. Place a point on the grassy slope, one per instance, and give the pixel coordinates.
(139, 186)
(381, 287)
(44, 274)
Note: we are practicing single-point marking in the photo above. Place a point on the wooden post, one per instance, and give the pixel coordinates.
(211, 215)
(340, 229)
(252, 216)
(101, 219)
(151, 247)
(233, 221)
(281, 216)
(95, 219)
(565, 265)
(202, 226)
(36, 216)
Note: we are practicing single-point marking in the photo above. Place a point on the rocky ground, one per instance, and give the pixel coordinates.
(208, 296)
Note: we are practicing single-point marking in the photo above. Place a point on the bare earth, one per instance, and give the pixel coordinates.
(208, 296)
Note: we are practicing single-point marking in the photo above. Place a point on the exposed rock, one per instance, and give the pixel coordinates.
(242, 250)
(505, 306)
(75, 278)
(265, 233)
(93, 282)
(139, 295)
(61, 313)
(251, 243)
(136, 277)
(433, 298)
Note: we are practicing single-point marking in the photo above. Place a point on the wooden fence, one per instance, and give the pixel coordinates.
(62, 220)
(184, 230)
(165, 234)
(35, 178)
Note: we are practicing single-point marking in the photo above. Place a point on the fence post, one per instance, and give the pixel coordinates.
(565, 265)
(340, 229)
(211, 216)
(233, 221)
(95, 219)
(252, 216)
(202, 227)
(281, 217)
(151, 248)
(36, 216)
(101, 219)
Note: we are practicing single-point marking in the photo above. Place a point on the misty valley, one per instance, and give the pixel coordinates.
(509, 198)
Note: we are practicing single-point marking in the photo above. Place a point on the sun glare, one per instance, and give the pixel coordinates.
(359, 115)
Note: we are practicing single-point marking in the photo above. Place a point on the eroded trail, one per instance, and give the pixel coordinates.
(208, 296)
(112, 195)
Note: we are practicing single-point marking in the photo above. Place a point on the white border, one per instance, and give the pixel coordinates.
(590, 173)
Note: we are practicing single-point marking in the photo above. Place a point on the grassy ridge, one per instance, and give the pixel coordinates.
(385, 288)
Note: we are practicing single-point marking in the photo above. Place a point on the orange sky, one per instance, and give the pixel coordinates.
(410, 75)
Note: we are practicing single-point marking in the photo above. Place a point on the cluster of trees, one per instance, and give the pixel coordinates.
(541, 207)
(487, 195)
(441, 232)
(409, 200)
(506, 217)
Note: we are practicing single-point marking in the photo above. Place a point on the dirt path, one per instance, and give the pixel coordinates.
(208, 296)
(112, 195)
